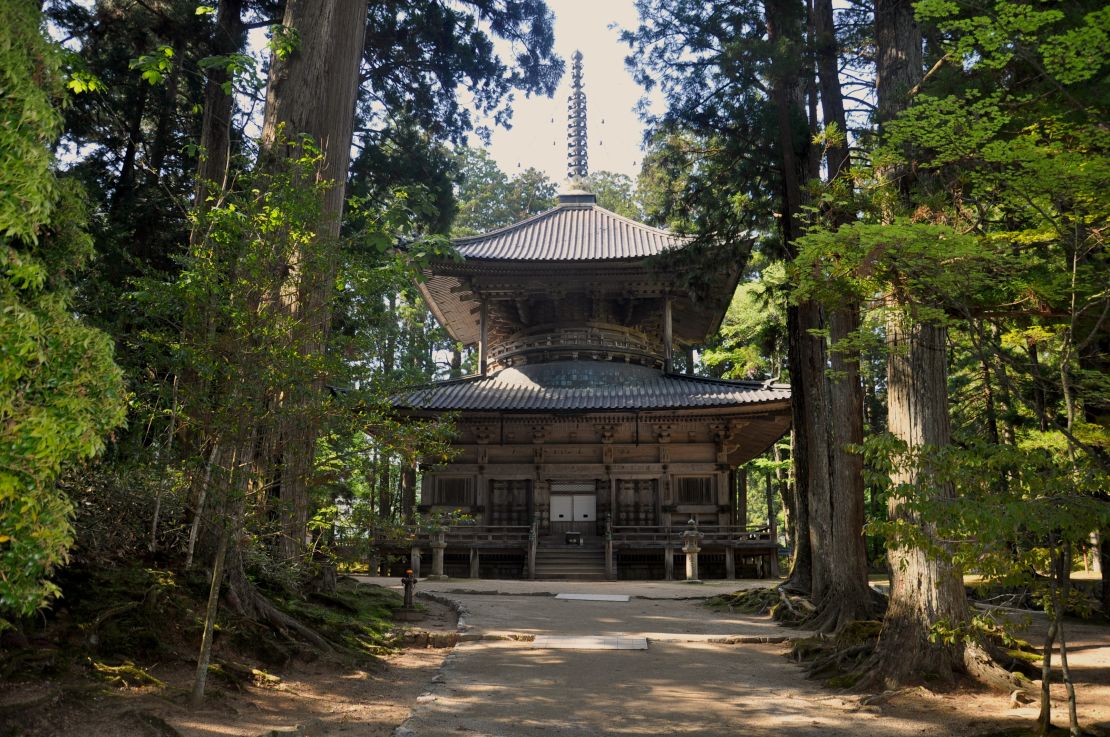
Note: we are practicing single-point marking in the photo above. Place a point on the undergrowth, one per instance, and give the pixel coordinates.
(114, 623)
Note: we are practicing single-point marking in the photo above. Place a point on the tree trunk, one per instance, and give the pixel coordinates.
(125, 183)
(785, 21)
(924, 589)
(844, 596)
(385, 504)
(219, 105)
(832, 98)
(408, 493)
(312, 91)
(205, 655)
(817, 405)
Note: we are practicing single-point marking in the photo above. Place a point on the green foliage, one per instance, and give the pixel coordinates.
(60, 390)
(489, 199)
(1016, 505)
(752, 341)
(616, 192)
(154, 67)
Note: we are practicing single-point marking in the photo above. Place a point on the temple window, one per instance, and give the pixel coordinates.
(453, 491)
(695, 490)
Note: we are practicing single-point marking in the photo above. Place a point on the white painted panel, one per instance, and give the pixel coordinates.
(562, 507)
(572, 487)
(585, 508)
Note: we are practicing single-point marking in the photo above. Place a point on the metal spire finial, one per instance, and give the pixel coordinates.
(577, 160)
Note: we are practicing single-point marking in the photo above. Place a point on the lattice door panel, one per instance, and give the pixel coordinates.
(636, 502)
(508, 501)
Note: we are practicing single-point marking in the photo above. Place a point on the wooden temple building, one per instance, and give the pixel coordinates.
(580, 451)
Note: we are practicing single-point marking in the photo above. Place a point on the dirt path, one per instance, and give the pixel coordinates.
(688, 681)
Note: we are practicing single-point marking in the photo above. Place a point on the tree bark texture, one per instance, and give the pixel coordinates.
(844, 594)
(924, 589)
(830, 559)
(828, 78)
(785, 21)
(219, 105)
(312, 91)
(408, 492)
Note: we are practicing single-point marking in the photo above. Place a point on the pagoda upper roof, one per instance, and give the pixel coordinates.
(577, 229)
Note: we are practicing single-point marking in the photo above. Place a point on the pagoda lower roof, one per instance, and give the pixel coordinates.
(562, 386)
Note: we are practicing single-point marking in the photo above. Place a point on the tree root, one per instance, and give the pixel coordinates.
(253, 604)
(781, 605)
(127, 674)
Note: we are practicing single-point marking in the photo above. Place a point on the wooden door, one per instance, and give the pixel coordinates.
(508, 501)
(637, 502)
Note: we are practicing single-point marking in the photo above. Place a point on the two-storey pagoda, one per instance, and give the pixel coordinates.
(577, 421)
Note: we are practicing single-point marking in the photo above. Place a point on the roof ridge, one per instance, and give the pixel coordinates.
(505, 228)
(677, 241)
(754, 383)
(644, 226)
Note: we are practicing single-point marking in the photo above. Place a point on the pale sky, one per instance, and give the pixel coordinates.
(538, 137)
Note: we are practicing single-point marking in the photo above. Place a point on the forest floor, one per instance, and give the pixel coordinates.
(82, 691)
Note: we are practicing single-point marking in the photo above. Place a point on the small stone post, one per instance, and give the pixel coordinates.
(408, 612)
(438, 545)
(690, 545)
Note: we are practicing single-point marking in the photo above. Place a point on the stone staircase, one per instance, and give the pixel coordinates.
(570, 563)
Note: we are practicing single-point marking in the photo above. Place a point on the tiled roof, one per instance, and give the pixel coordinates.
(587, 385)
(570, 232)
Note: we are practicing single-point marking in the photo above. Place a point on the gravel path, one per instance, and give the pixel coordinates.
(704, 673)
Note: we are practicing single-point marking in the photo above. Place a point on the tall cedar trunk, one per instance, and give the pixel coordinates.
(924, 590)
(385, 503)
(847, 596)
(214, 144)
(844, 594)
(801, 567)
(408, 492)
(125, 183)
(785, 29)
(312, 91)
(215, 132)
(817, 405)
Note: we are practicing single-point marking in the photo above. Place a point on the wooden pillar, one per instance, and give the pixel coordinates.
(690, 360)
(730, 562)
(741, 497)
(668, 563)
(414, 560)
(771, 527)
(483, 336)
(668, 337)
(612, 498)
(474, 560)
(481, 496)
